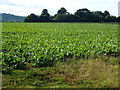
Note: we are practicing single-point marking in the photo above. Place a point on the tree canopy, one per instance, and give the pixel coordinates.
(31, 18)
(45, 16)
(81, 15)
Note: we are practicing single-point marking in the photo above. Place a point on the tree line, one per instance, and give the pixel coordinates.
(81, 15)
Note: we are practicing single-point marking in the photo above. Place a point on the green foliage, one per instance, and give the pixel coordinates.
(45, 16)
(81, 15)
(62, 11)
(106, 13)
(84, 15)
(31, 18)
(42, 44)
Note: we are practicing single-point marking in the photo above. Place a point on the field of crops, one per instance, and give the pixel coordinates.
(42, 44)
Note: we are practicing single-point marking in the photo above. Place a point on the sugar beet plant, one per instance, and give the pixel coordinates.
(42, 44)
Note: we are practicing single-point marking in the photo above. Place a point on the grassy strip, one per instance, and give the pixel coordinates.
(83, 73)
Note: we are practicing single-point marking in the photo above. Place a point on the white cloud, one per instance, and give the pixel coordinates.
(22, 11)
(25, 7)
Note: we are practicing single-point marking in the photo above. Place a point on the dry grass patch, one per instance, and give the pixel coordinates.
(97, 72)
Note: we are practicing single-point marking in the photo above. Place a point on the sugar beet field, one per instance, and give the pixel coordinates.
(44, 44)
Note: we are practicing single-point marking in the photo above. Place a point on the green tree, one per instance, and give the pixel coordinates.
(62, 11)
(99, 15)
(106, 13)
(83, 14)
(45, 16)
(118, 19)
(61, 15)
(31, 18)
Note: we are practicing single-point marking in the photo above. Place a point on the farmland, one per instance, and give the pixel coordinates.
(43, 45)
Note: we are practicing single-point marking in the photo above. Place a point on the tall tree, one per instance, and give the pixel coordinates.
(106, 13)
(62, 11)
(61, 15)
(83, 14)
(45, 16)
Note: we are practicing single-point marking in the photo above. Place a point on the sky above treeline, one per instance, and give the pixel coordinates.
(25, 7)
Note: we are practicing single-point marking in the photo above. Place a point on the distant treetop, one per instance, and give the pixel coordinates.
(81, 15)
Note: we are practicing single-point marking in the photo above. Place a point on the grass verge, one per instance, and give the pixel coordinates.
(100, 72)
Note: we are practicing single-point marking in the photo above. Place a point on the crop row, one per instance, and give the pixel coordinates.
(42, 44)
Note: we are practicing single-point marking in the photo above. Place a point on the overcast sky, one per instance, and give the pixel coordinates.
(25, 7)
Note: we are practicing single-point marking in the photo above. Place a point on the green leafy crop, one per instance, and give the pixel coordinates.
(43, 44)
